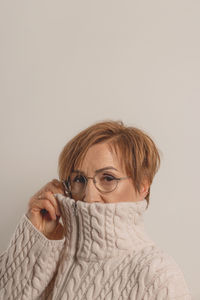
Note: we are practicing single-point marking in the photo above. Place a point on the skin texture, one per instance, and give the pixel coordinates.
(43, 208)
(44, 212)
(99, 156)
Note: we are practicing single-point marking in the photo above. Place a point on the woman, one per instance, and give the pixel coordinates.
(83, 236)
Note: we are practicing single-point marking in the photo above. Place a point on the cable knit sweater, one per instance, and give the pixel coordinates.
(105, 254)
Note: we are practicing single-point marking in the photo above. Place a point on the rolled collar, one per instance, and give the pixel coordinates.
(96, 231)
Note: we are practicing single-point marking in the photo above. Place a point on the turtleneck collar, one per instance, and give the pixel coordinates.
(101, 230)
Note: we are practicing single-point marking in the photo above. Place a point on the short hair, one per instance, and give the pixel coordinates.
(136, 151)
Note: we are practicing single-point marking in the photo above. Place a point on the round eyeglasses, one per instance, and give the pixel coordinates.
(104, 182)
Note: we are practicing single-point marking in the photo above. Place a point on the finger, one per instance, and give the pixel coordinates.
(54, 184)
(58, 185)
(47, 205)
(52, 188)
(49, 195)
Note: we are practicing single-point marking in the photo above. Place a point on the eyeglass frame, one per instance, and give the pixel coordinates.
(67, 184)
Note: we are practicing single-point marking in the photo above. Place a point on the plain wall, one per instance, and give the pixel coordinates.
(67, 64)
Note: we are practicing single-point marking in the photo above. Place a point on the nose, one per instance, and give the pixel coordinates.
(91, 193)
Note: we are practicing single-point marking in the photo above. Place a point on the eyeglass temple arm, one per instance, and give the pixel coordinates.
(66, 187)
(123, 177)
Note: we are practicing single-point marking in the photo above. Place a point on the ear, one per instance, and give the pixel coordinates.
(144, 189)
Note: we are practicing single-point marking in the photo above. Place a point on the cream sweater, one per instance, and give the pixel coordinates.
(105, 254)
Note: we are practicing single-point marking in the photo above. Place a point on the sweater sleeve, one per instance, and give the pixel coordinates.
(29, 263)
(172, 288)
(168, 283)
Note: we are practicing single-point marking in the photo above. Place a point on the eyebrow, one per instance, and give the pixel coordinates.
(99, 170)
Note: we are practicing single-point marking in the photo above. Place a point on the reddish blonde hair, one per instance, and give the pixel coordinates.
(137, 152)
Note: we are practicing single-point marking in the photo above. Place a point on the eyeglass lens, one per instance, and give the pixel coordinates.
(103, 182)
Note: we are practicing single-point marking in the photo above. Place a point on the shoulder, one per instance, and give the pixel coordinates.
(159, 274)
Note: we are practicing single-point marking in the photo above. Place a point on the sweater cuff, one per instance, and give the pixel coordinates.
(29, 263)
(39, 235)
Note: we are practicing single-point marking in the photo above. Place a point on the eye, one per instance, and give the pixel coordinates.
(108, 177)
(79, 179)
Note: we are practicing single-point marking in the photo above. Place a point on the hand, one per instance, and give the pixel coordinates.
(44, 212)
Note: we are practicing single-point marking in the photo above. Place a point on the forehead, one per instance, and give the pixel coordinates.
(99, 156)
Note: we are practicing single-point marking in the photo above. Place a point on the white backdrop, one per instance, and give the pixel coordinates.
(67, 64)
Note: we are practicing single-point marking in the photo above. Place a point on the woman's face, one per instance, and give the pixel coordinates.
(100, 156)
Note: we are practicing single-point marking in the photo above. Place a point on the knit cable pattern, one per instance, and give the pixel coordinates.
(105, 254)
(22, 265)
